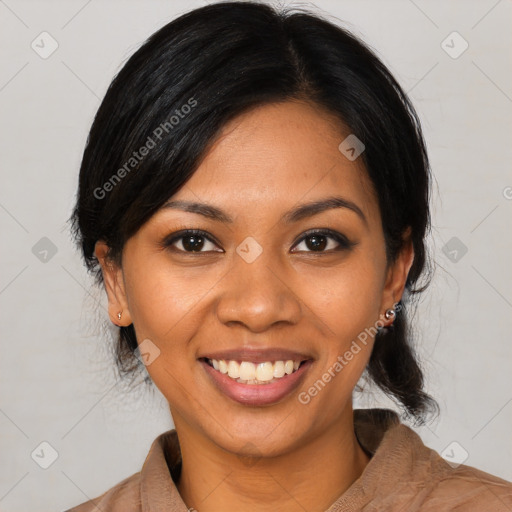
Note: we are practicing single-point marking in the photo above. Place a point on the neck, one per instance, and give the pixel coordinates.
(311, 477)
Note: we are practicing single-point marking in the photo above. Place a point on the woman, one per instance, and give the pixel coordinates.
(254, 197)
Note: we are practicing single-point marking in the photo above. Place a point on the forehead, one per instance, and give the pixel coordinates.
(280, 154)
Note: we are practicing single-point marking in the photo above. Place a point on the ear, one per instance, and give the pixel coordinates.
(114, 286)
(397, 274)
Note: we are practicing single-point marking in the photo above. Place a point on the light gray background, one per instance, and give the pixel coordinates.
(57, 379)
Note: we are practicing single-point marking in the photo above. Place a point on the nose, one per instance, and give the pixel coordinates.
(257, 295)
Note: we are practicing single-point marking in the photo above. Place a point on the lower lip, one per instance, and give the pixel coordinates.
(257, 394)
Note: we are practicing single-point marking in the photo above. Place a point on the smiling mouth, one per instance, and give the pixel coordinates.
(247, 372)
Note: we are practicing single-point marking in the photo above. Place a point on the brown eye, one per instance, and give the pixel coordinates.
(317, 242)
(323, 240)
(191, 241)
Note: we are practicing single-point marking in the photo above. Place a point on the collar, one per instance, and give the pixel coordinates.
(389, 444)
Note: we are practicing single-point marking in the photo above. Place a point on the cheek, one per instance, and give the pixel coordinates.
(347, 299)
(164, 308)
(163, 299)
(168, 306)
(347, 302)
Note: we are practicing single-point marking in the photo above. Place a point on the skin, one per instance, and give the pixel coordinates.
(264, 163)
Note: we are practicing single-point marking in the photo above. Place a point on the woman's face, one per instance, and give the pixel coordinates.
(256, 278)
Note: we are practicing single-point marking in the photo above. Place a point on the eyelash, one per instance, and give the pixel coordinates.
(343, 241)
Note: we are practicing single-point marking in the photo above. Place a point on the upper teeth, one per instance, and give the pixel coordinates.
(248, 371)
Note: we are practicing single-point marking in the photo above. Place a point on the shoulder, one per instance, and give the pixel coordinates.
(467, 488)
(123, 497)
(442, 486)
(404, 471)
(149, 488)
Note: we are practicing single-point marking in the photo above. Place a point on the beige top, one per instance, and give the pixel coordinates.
(402, 475)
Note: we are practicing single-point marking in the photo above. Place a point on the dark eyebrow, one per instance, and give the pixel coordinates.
(204, 209)
(298, 213)
(315, 207)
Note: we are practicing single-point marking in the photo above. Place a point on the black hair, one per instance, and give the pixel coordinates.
(209, 65)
